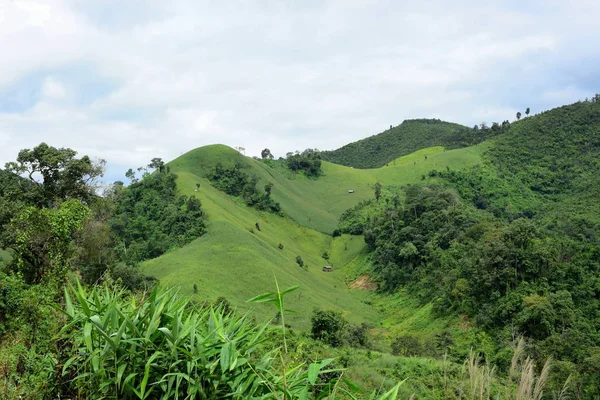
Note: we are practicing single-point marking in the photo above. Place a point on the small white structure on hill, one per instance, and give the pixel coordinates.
(350, 190)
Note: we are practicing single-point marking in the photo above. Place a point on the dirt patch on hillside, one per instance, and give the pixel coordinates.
(363, 282)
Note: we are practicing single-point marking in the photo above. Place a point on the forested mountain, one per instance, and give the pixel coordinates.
(514, 243)
(408, 137)
(478, 244)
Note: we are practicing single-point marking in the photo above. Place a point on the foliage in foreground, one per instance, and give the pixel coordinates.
(162, 346)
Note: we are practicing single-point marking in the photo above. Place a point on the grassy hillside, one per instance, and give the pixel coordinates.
(237, 261)
(318, 203)
(408, 137)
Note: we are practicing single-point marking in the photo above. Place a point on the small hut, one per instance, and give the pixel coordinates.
(327, 268)
(350, 190)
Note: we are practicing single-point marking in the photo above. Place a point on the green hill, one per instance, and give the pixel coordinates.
(408, 137)
(237, 261)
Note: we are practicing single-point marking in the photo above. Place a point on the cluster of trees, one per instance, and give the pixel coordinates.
(236, 182)
(53, 224)
(150, 217)
(509, 276)
(331, 327)
(307, 161)
(512, 243)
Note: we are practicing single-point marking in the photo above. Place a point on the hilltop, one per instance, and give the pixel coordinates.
(410, 136)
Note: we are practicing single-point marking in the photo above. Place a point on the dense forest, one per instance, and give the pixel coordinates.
(513, 243)
(408, 137)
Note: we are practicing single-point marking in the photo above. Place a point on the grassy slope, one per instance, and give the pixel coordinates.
(406, 138)
(318, 203)
(237, 261)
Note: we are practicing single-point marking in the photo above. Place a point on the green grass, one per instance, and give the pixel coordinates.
(318, 203)
(237, 261)
(344, 249)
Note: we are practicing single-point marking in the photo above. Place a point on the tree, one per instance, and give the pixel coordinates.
(407, 346)
(95, 248)
(42, 240)
(157, 163)
(518, 115)
(266, 154)
(527, 111)
(308, 161)
(63, 176)
(130, 174)
(151, 217)
(268, 188)
(327, 326)
(300, 261)
(197, 187)
(195, 288)
(377, 191)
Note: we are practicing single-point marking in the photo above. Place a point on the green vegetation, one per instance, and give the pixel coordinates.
(314, 203)
(151, 218)
(468, 273)
(235, 182)
(309, 162)
(520, 255)
(408, 137)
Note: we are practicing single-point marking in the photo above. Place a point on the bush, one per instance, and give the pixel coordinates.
(328, 326)
(407, 345)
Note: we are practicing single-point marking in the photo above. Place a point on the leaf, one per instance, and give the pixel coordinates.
(167, 333)
(225, 356)
(392, 394)
(68, 363)
(69, 305)
(120, 373)
(263, 298)
(290, 289)
(87, 336)
(352, 386)
(313, 372)
(147, 374)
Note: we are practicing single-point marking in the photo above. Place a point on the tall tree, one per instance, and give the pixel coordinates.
(42, 240)
(518, 115)
(377, 191)
(57, 174)
(527, 111)
(266, 154)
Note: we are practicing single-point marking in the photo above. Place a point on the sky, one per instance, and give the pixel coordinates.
(129, 80)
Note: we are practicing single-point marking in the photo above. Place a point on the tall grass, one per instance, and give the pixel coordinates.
(161, 346)
(522, 382)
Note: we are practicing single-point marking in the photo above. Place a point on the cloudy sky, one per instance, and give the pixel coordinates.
(128, 80)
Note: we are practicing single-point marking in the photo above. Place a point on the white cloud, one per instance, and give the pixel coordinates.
(282, 75)
(53, 89)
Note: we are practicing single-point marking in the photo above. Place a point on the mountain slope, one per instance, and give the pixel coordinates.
(318, 203)
(237, 261)
(408, 137)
